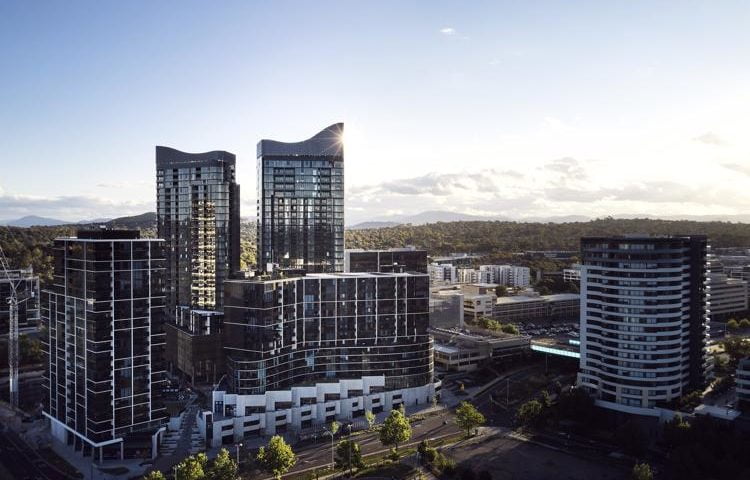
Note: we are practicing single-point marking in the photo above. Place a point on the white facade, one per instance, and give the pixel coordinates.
(468, 275)
(239, 416)
(572, 274)
(643, 320)
(441, 274)
(506, 275)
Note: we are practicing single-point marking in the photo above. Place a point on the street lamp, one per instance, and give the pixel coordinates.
(349, 427)
(329, 432)
(238, 446)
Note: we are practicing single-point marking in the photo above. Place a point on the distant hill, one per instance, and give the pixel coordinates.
(33, 221)
(144, 221)
(366, 225)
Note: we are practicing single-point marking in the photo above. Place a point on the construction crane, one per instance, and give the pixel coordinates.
(13, 350)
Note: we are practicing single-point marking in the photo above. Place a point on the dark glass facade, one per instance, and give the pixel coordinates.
(386, 261)
(104, 349)
(301, 203)
(198, 216)
(298, 331)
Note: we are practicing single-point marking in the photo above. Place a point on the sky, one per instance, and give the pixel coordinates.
(512, 109)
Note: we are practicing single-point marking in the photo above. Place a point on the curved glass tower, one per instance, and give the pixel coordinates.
(301, 203)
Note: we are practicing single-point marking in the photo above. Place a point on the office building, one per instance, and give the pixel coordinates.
(530, 308)
(468, 275)
(457, 351)
(728, 297)
(479, 300)
(27, 288)
(442, 274)
(446, 308)
(198, 216)
(305, 350)
(644, 320)
(393, 260)
(301, 203)
(104, 369)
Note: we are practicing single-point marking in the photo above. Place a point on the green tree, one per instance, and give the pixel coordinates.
(30, 349)
(736, 348)
(395, 429)
(510, 328)
(501, 290)
(744, 323)
(546, 399)
(192, 468)
(277, 457)
(468, 417)
(642, 471)
(529, 412)
(154, 475)
(676, 431)
(348, 455)
(370, 417)
(335, 427)
(223, 467)
(732, 324)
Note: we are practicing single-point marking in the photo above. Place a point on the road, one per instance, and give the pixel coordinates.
(23, 462)
(319, 454)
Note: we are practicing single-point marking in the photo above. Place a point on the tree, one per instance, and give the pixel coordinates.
(501, 290)
(370, 417)
(335, 427)
(676, 431)
(732, 324)
(348, 455)
(154, 475)
(510, 328)
(529, 412)
(744, 323)
(642, 471)
(468, 417)
(546, 399)
(30, 349)
(395, 430)
(223, 467)
(277, 457)
(192, 468)
(736, 348)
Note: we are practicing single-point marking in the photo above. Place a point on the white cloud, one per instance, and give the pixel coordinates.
(710, 138)
(69, 207)
(448, 31)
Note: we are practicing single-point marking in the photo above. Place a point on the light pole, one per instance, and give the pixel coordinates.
(238, 446)
(174, 472)
(329, 432)
(350, 449)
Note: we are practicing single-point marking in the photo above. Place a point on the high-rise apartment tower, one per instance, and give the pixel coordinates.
(644, 319)
(301, 203)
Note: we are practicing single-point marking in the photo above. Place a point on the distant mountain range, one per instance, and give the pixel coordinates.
(148, 220)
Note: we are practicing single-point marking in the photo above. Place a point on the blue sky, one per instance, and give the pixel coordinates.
(518, 109)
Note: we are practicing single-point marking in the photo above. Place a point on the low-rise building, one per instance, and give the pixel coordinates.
(468, 275)
(460, 351)
(479, 300)
(572, 274)
(505, 275)
(522, 308)
(727, 296)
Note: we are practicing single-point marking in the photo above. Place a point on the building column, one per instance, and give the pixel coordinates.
(122, 450)
(101, 455)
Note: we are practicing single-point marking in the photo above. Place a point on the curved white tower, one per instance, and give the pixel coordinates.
(644, 319)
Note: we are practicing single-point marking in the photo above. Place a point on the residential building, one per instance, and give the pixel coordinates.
(468, 275)
(572, 274)
(27, 288)
(727, 296)
(198, 216)
(392, 260)
(457, 259)
(742, 380)
(301, 203)
(644, 319)
(459, 351)
(104, 369)
(446, 308)
(302, 351)
(506, 275)
(442, 274)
